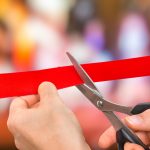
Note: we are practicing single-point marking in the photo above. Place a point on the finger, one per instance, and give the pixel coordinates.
(139, 122)
(31, 99)
(131, 146)
(144, 137)
(18, 103)
(47, 92)
(17, 144)
(107, 138)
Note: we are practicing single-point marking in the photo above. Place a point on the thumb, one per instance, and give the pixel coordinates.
(131, 146)
(140, 122)
(47, 92)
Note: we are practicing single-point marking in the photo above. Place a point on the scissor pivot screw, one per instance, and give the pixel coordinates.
(99, 103)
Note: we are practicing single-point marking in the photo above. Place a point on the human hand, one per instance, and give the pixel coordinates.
(139, 123)
(43, 122)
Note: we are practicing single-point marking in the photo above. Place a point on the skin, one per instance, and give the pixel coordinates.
(138, 123)
(43, 122)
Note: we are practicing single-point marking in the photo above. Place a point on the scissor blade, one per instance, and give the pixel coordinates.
(100, 102)
(82, 73)
(105, 106)
(90, 94)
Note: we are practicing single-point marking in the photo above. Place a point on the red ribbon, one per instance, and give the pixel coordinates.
(25, 83)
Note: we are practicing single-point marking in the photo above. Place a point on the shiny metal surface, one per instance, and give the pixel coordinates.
(114, 120)
(92, 93)
(96, 98)
(83, 75)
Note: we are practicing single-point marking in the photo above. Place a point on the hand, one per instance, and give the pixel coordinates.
(43, 122)
(138, 123)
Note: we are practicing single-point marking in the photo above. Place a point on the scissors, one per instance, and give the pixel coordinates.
(89, 90)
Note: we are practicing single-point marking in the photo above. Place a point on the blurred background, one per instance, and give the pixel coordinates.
(35, 34)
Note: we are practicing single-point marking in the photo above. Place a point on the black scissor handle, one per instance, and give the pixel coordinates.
(140, 108)
(126, 135)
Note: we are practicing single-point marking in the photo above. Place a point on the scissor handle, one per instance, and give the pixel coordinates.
(126, 135)
(140, 108)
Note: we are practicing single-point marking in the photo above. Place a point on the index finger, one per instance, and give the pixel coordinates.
(24, 102)
(108, 138)
(30, 99)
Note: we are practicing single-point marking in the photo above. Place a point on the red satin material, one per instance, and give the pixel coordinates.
(24, 83)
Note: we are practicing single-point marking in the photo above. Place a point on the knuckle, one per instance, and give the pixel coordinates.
(14, 122)
(10, 124)
(14, 102)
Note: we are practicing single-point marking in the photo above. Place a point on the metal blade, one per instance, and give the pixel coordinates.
(114, 120)
(82, 73)
(103, 105)
(100, 102)
(92, 93)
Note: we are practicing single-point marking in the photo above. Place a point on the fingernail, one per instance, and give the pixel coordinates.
(135, 120)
